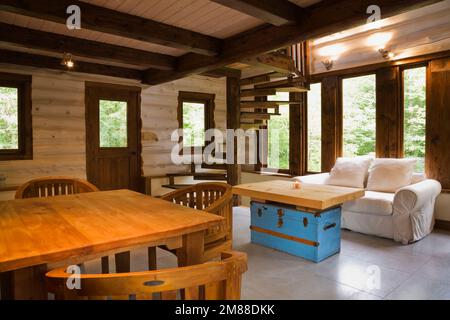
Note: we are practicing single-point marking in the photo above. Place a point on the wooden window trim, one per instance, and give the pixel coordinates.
(23, 84)
(208, 100)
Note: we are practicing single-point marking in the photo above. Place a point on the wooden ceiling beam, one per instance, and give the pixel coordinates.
(56, 43)
(276, 12)
(117, 23)
(223, 72)
(274, 62)
(40, 61)
(322, 19)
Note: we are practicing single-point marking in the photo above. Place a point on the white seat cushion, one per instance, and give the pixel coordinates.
(377, 203)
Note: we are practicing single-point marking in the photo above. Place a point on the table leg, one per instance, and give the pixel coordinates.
(193, 249)
(24, 284)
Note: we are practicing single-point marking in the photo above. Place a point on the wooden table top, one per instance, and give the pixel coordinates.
(311, 196)
(45, 230)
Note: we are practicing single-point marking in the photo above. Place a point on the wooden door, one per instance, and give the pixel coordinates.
(113, 124)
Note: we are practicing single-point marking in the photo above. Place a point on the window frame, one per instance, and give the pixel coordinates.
(25, 132)
(264, 168)
(341, 105)
(401, 123)
(208, 100)
(307, 131)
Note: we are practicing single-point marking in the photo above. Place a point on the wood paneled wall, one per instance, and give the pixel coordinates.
(438, 122)
(58, 111)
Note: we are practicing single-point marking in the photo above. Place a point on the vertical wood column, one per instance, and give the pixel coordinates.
(389, 118)
(437, 160)
(331, 122)
(233, 122)
(297, 134)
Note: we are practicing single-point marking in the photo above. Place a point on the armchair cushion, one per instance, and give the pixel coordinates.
(389, 175)
(376, 203)
(350, 172)
(320, 178)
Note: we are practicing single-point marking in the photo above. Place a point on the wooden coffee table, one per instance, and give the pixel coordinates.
(304, 222)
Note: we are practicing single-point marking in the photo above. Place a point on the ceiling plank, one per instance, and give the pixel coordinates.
(39, 61)
(276, 12)
(117, 23)
(56, 43)
(324, 18)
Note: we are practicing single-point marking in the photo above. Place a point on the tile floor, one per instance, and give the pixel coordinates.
(417, 271)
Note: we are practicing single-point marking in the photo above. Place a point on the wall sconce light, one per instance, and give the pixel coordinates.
(386, 53)
(68, 61)
(331, 53)
(328, 63)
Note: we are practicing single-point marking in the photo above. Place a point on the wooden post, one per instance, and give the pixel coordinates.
(297, 134)
(331, 122)
(389, 113)
(233, 122)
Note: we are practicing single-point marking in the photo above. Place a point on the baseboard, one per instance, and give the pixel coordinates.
(442, 224)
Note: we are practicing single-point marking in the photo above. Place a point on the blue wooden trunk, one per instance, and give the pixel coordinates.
(313, 236)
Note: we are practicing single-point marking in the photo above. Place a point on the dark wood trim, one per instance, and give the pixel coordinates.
(269, 174)
(442, 224)
(25, 125)
(9, 188)
(276, 12)
(284, 236)
(196, 97)
(56, 43)
(371, 68)
(117, 23)
(39, 61)
(321, 19)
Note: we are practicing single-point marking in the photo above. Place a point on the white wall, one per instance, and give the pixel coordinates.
(58, 113)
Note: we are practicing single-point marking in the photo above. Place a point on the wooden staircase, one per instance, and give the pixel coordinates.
(294, 77)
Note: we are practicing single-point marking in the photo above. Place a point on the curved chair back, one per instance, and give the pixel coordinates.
(215, 198)
(54, 186)
(218, 280)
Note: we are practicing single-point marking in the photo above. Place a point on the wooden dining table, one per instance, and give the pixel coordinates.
(40, 233)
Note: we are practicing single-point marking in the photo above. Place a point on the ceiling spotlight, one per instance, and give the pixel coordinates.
(68, 61)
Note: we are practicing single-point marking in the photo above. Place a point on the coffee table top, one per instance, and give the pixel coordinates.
(311, 196)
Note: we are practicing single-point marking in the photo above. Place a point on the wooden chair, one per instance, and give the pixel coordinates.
(218, 280)
(54, 186)
(58, 186)
(215, 198)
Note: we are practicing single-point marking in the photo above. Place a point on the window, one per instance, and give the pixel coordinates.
(195, 116)
(15, 117)
(315, 128)
(414, 97)
(278, 135)
(359, 115)
(113, 124)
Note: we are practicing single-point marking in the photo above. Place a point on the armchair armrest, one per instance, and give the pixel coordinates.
(411, 199)
(320, 178)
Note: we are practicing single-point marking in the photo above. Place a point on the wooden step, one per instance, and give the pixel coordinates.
(265, 104)
(257, 116)
(290, 85)
(210, 176)
(215, 166)
(176, 186)
(258, 93)
(266, 77)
